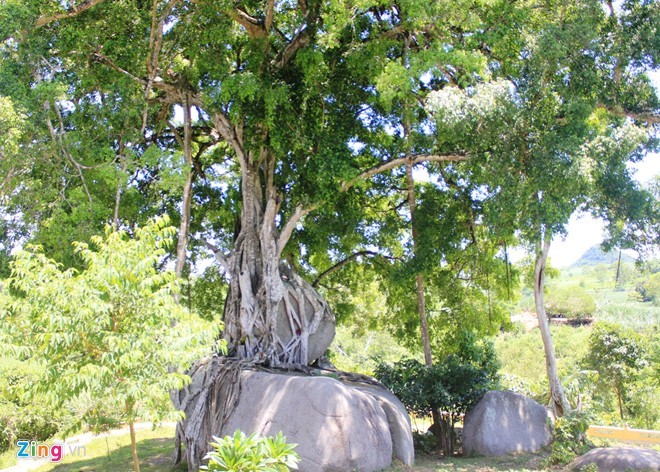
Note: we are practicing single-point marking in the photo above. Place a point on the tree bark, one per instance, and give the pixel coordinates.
(558, 400)
(131, 427)
(419, 279)
(184, 228)
(262, 291)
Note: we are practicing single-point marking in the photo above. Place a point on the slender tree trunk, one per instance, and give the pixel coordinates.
(559, 402)
(131, 427)
(619, 397)
(419, 279)
(115, 218)
(182, 242)
(618, 270)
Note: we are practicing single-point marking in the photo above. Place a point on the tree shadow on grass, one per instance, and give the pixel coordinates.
(155, 455)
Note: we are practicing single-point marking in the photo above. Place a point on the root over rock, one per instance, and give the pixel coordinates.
(344, 422)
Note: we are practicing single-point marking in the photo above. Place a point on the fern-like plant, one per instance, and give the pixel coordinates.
(241, 453)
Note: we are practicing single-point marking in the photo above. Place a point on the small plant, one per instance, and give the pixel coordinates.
(425, 443)
(570, 438)
(241, 453)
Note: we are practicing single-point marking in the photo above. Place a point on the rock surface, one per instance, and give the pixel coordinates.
(318, 322)
(338, 426)
(398, 420)
(503, 423)
(619, 459)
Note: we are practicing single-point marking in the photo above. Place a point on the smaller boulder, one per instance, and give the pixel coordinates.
(503, 423)
(619, 459)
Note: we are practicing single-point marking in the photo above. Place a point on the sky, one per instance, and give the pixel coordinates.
(585, 231)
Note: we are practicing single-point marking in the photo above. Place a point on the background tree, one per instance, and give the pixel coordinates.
(618, 356)
(106, 331)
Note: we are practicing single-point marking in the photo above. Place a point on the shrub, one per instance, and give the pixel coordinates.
(570, 437)
(443, 391)
(618, 356)
(649, 290)
(253, 453)
(21, 417)
(571, 301)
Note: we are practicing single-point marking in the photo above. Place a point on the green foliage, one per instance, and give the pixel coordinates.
(21, 417)
(649, 289)
(356, 351)
(206, 294)
(109, 331)
(445, 390)
(253, 453)
(570, 437)
(618, 355)
(571, 302)
(425, 442)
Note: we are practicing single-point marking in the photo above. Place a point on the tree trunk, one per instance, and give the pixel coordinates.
(619, 397)
(131, 427)
(421, 303)
(270, 312)
(182, 242)
(559, 402)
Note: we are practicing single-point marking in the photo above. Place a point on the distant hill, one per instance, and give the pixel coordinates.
(595, 255)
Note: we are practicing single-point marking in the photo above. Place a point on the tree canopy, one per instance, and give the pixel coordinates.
(278, 131)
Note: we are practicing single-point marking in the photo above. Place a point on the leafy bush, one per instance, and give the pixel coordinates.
(649, 290)
(617, 354)
(571, 302)
(20, 417)
(443, 391)
(570, 438)
(253, 453)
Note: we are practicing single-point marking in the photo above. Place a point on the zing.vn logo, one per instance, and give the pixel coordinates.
(54, 452)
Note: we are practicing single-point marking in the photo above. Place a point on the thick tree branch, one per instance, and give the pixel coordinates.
(649, 117)
(418, 159)
(230, 134)
(270, 14)
(224, 259)
(301, 40)
(75, 11)
(343, 262)
(253, 26)
(290, 225)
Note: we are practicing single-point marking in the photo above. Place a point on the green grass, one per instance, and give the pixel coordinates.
(113, 454)
(516, 462)
(7, 459)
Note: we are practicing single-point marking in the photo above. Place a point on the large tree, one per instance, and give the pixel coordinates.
(293, 106)
(265, 126)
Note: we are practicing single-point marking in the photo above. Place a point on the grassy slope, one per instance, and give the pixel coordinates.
(113, 454)
(155, 452)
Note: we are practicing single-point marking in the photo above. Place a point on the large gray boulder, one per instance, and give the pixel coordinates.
(338, 426)
(316, 322)
(503, 423)
(619, 459)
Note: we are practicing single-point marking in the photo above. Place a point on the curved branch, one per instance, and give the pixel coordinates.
(290, 225)
(418, 159)
(254, 27)
(345, 261)
(224, 259)
(75, 11)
